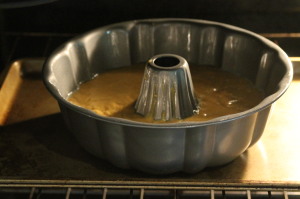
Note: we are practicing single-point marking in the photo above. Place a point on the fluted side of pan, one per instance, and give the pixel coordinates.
(168, 148)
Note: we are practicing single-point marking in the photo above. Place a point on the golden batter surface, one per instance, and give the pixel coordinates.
(114, 93)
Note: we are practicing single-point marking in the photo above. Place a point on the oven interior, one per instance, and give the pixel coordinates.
(42, 160)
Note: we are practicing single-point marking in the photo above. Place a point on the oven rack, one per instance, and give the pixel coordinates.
(141, 193)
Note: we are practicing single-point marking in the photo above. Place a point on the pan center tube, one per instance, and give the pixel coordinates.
(167, 90)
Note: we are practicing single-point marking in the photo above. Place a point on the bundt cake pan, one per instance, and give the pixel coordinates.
(170, 147)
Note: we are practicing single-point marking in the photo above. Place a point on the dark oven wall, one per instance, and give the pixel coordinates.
(82, 15)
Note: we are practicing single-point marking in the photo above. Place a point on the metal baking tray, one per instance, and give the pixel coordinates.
(40, 151)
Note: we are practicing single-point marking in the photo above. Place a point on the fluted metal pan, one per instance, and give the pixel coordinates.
(168, 148)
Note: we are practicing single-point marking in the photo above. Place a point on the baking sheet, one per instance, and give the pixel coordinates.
(23, 95)
(38, 150)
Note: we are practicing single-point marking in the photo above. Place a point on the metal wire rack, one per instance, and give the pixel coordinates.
(217, 193)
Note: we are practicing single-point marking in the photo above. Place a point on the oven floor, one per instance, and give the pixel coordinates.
(37, 149)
